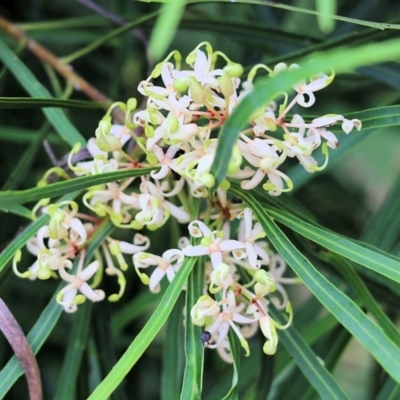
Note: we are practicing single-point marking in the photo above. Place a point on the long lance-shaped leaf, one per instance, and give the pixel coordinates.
(320, 378)
(375, 261)
(146, 335)
(77, 343)
(47, 320)
(267, 89)
(344, 309)
(30, 102)
(173, 353)
(61, 188)
(25, 77)
(382, 230)
(379, 117)
(235, 351)
(194, 351)
(377, 25)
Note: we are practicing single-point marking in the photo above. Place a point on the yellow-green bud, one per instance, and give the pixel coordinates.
(173, 124)
(227, 88)
(191, 58)
(152, 158)
(132, 103)
(225, 185)
(197, 91)
(208, 179)
(235, 161)
(157, 70)
(149, 131)
(180, 85)
(234, 69)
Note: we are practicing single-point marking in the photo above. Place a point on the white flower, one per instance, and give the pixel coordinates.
(168, 264)
(68, 297)
(220, 278)
(155, 209)
(248, 234)
(226, 319)
(305, 97)
(263, 154)
(204, 307)
(212, 243)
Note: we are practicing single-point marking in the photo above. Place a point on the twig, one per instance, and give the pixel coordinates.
(119, 21)
(15, 336)
(63, 69)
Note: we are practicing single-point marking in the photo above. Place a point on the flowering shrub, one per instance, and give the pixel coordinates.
(175, 134)
(211, 239)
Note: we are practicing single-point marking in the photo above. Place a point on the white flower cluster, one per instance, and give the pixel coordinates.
(63, 240)
(236, 303)
(175, 135)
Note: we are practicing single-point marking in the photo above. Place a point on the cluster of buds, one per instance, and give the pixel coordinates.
(174, 134)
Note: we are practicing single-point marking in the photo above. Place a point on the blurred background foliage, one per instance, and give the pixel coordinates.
(344, 198)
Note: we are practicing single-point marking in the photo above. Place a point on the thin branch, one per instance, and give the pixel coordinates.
(63, 69)
(15, 336)
(119, 21)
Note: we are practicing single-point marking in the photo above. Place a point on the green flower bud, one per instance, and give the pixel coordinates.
(149, 131)
(207, 179)
(152, 158)
(234, 69)
(173, 124)
(180, 85)
(227, 88)
(132, 104)
(197, 91)
(157, 70)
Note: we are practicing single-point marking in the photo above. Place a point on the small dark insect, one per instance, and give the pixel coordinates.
(205, 337)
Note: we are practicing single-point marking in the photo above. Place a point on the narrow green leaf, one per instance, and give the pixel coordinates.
(380, 117)
(102, 346)
(235, 351)
(373, 260)
(325, 9)
(173, 353)
(25, 77)
(61, 188)
(102, 40)
(345, 310)
(307, 361)
(17, 209)
(77, 343)
(329, 350)
(316, 329)
(21, 136)
(382, 230)
(146, 335)
(389, 391)
(24, 164)
(165, 28)
(194, 350)
(142, 303)
(356, 283)
(376, 25)
(30, 102)
(267, 89)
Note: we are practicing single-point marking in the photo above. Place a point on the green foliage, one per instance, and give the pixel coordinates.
(338, 230)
